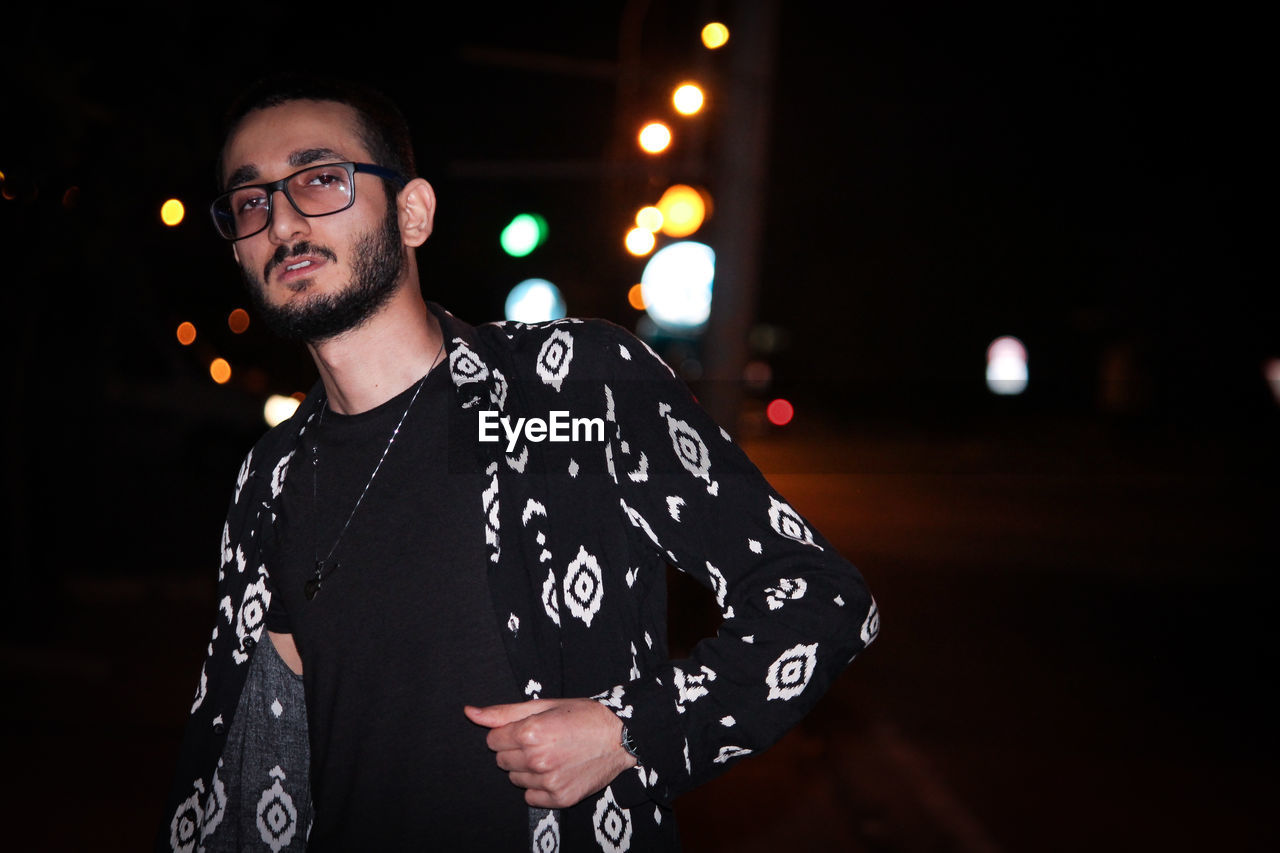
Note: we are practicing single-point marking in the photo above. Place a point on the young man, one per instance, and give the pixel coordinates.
(466, 623)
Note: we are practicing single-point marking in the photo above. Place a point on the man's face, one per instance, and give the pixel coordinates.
(313, 278)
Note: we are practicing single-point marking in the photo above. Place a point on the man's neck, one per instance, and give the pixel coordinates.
(363, 368)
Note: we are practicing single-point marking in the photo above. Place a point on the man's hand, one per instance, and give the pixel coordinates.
(558, 750)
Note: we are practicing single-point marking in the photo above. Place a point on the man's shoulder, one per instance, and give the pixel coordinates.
(572, 348)
(278, 441)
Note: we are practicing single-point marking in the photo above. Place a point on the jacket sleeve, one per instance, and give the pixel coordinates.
(795, 612)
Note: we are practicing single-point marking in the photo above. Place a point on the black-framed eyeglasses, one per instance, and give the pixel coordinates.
(314, 191)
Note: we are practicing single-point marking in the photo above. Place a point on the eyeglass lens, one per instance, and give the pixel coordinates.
(314, 192)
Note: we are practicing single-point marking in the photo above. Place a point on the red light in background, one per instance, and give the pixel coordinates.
(780, 412)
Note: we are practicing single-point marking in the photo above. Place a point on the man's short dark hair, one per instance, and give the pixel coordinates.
(382, 128)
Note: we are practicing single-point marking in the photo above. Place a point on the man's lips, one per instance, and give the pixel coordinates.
(298, 268)
(295, 265)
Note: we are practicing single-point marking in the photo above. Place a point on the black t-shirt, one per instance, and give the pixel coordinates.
(400, 636)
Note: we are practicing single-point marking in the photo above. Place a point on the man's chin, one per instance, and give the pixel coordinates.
(299, 285)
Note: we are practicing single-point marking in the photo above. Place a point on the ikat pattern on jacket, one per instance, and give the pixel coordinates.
(577, 538)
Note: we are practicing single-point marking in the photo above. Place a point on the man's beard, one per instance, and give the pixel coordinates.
(377, 262)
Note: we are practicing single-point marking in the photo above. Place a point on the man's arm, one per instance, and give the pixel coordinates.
(795, 611)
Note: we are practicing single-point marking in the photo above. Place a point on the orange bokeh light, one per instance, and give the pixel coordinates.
(238, 320)
(634, 297)
(220, 371)
(186, 334)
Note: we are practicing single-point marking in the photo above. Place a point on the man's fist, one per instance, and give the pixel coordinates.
(558, 750)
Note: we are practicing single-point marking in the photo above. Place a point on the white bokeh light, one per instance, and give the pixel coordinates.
(1007, 366)
(279, 409)
(676, 285)
(534, 300)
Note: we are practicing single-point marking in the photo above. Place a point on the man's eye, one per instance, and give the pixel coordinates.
(251, 203)
(327, 179)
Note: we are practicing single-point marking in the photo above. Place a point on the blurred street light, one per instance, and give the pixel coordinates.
(1007, 366)
(640, 241)
(220, 371)
(238, 321)
(676, 285)
(687, 99)
(279, 409)
(655, 137)
(186, 333)
(683, 210)
(524, 233)
(534, 300)
(649, 218)
(172, 212)
(715, 35)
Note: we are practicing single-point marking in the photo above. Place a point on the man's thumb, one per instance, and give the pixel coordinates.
(494, 716)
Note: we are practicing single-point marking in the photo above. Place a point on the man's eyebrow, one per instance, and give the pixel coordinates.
(307, 156)
(242, 175)
(302, 157)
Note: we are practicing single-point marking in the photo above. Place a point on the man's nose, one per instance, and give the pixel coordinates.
(286, 222)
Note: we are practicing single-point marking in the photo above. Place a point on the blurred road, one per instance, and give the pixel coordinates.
(1073, 648)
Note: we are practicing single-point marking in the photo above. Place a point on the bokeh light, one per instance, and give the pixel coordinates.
(524, 233)
(279, 409)
(715, 35)
(683, 210)
(687, 98)
(779, 412)
(757, 375)
(1272, 371)
(238, 321)
(640, 241)
(676, 285)
(186, 333)
(649, 218)
(635, 296)
(172, 212)
(534, 300)
(220, 371)
(1007, 366)
(655, 137)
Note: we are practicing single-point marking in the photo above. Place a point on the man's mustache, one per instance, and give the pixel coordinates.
(297, 250)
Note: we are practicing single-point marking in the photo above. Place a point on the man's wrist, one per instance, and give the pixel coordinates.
(628, 744)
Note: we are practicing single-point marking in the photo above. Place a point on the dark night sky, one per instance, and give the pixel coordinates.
(1085, 176)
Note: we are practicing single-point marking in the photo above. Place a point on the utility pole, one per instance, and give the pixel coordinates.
(740, 181)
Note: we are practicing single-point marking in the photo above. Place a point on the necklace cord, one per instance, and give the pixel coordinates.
(313, 584)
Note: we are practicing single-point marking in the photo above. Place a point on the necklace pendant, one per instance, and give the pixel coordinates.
(312, 587)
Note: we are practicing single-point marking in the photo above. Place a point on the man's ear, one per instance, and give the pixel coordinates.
(417, 208)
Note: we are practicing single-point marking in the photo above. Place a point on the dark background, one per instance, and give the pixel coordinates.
(1077, 582)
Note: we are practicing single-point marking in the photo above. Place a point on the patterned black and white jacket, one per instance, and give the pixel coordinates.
(577, 536)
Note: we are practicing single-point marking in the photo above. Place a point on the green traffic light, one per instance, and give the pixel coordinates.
(523, 234)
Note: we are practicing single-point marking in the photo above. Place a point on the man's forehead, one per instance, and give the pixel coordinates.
(291, 135)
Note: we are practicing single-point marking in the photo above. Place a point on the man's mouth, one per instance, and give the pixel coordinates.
(295, 273)
(297, 265)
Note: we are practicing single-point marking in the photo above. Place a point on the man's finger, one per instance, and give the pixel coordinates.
(503, 739)
(528, 781)
(514, 760)
(493, 716)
